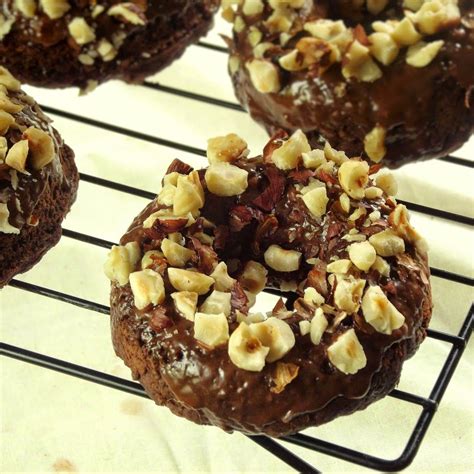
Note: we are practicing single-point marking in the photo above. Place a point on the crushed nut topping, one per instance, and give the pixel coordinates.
(211, 329)
(379, 312)
(347, 353)
(285, 373)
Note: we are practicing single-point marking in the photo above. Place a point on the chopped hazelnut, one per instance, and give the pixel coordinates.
(6, 121)
(387, 243)
(26, 7)
(341, 266)
(124, 11)
(387, 183)
(185, 303)
(284, 375)
(227, 149)
(289, 154)
(3, 148)
(186, 280)
(362, 255)
(275, 334)
(319, 324)
(347, 353)
(336, 156)
(17, 155)
(305, 327)
(312, 297)
(176, 254)
(81, 31)
(422, 54)
(6, 104)
(379, 312)
(8, 81)
(374, 143)
(264, 76)
(223, 282)
(5, 226)
(359, 64)
(217, 302)
(245, 349)
(147, 288)
(384, 48)
(149, 258)
(121, 261)
(189, 195)
(41, 147)
(345, 202)
(55, 9)
(382, 266)
(435, 15)
(211, 329)
(254, 36)
(348, 293)
(254, 277)
(224, 179)
(373, 192)
(314, 159)
(282, 260)
(316, 201)
(252, 7)
(405, 34)
(353, 177)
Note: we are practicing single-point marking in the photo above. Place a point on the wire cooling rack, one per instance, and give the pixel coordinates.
(282, 447)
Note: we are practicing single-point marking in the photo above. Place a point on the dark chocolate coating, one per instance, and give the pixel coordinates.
(44, 196)
(204, 386)
(41, 52)
(427, 112)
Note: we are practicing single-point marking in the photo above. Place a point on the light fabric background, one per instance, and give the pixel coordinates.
(55, 423)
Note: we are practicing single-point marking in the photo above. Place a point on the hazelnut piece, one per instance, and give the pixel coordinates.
(362, 255)
(348, 293)
(147, 288)
(17, 155)
(176, 254)
(387, 243)
(223, 282)
(347, 353)
(227, 149)
(186, 280)
(217, 302)
(353, 177)
(185, 303)
(254, 277)
(282, 260)
(379, 312)
(245, 349)
(316, 201)
(121, 261)
(264, 76)
(41, 147)
(319, 324)
(224, 179)
(211, 329)
(289, 154)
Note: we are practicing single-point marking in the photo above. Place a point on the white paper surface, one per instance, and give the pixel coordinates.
(56, 423)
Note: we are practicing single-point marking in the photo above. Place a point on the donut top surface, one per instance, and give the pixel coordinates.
(94, 31)
(28, 155)
(375, 60)
(312, 223)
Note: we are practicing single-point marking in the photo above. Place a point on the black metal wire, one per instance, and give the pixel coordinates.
(428, 405)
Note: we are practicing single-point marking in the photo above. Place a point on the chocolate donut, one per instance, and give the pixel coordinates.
(388, 79)
(313, 224)
(61, 43)
(38, 180)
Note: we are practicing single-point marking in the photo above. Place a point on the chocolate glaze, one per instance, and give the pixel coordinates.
(427, 112)
(203, 384)
(41, 51)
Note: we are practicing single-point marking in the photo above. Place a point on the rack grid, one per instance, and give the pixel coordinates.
(428, 404)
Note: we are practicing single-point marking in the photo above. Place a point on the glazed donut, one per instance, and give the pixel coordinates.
(312, 224)
(61, 43)
(388, 79)
(38, 180)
